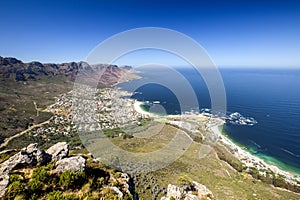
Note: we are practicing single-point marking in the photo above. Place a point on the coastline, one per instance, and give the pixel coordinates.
(247, 158)
(244, 156)
(137, 108)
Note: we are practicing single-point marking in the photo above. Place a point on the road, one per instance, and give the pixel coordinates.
(7, 140)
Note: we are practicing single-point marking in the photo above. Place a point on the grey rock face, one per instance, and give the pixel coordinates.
(28, 156)
(178, 192)
(4, 179)
(175, 191)
(202, 190)
(74, 164)
(58, 151)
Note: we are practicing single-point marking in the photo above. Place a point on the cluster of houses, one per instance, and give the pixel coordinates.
(91, 109)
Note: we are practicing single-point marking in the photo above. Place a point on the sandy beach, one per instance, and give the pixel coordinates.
(246, 158)
(137, 108)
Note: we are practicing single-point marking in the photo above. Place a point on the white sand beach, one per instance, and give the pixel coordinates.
(245, 157)
(137, 108)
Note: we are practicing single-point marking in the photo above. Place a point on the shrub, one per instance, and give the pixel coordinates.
(55, 195)
(14, 189)
(69, 179)
(172, 198)
(34, 185)
(108, 194)
(33, 197)
(184, 180)
(14, 177)
(41, 174)
(118, 174)
(100, 181)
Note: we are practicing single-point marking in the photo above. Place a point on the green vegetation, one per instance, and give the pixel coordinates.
(42, 183)
(270, 178)
(111, 133)
(55, 195)
(70, 180)
(184, 180)
(228, 157)
(219, 171)
(17, 110)
(15, 188)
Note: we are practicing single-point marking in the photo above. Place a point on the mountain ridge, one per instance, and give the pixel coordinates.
(108, 74)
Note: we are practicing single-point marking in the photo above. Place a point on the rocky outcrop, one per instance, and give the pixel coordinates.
(196, 192)
(29, 156)
(58, 151)
(202, 190)
(74, 164)
(4, 180)
(175, 191)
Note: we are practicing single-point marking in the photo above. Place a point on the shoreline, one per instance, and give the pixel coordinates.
(248, 159)
(269, 160)
(242, 155)
(137, 108)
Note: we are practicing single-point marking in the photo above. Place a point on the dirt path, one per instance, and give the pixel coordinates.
(7, 140)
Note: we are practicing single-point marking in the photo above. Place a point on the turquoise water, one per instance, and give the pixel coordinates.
(272, 97)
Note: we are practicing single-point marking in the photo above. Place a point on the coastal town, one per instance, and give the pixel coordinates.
(88, 109)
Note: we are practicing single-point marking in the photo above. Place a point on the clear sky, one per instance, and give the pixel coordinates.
(241, 33)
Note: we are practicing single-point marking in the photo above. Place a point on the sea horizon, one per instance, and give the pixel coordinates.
(258, 93)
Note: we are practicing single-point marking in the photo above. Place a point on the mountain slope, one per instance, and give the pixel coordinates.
(26, 87)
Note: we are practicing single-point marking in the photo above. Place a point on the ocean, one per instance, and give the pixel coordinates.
(270, 96)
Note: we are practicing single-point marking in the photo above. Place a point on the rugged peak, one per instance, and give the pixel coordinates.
(9, 61)
(13, 68)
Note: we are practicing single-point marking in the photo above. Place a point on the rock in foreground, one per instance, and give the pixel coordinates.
(31, 156)
(59, 151)
(196, 192)
(74, 164)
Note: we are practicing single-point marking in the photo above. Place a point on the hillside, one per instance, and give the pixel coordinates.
(26, 88)
(51, 147)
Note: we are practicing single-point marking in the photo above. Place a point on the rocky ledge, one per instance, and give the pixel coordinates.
(31, 156)
(195, 191)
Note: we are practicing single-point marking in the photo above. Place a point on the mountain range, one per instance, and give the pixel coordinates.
(106, 74)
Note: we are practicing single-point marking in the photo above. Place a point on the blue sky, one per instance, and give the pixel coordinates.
(234, 33)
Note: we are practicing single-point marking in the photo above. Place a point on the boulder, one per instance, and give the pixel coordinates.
(58, 151)
(196, 192)
(28, 156)
(39, 156)
(174, 191)
(4, 180)
(190, 196)
(202, 190)
(74, 164)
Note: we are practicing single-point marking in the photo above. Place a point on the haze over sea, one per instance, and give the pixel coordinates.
(271, 96)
